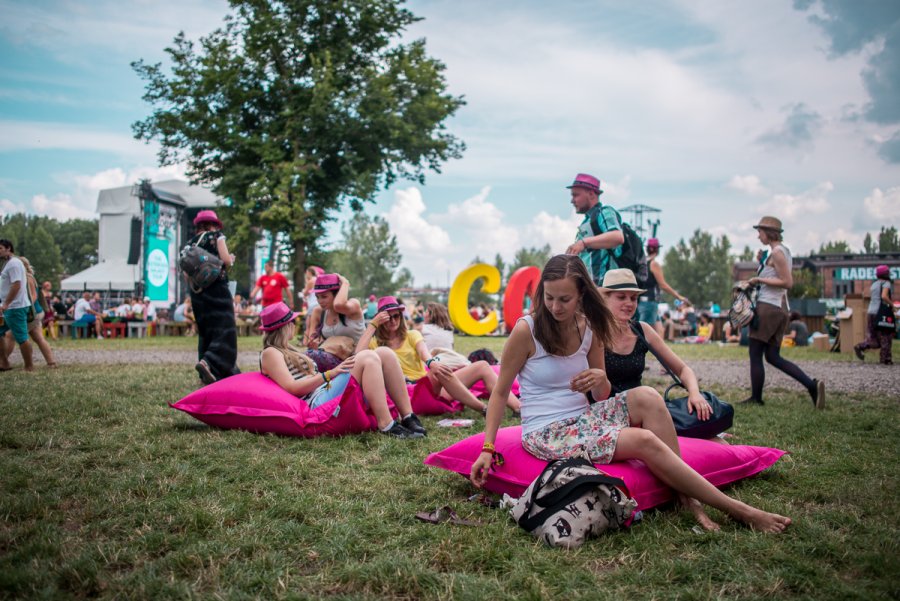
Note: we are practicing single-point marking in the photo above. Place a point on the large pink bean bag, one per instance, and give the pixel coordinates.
(718, 463)
(425, 402)
(479, 389)
(253, 402)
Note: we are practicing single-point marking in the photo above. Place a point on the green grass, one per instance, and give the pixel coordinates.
(106, 491)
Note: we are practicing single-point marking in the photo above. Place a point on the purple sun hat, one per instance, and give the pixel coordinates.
(584, 180)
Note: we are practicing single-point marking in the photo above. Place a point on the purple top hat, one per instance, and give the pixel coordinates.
(583, 180)
(389, 303)
(327, 281)
(276, 316)
(207, 216)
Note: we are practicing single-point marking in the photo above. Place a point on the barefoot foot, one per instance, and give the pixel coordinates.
(766, 522)
(696, 509)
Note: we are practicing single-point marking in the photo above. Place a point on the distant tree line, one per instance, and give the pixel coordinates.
(56, 249)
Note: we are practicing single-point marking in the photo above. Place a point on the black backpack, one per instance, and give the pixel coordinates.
(199, 266)
(633, 256)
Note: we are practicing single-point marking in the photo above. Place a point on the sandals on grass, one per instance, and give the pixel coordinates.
(444, 514)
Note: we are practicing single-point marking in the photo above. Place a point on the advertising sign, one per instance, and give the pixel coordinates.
(156, 274)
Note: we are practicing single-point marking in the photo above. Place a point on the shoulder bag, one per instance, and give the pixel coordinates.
(884, 319)
(687, 424)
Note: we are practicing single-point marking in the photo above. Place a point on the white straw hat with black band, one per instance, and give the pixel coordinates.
(621, 280)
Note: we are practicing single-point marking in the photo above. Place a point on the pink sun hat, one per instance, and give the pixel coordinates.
(327, 281)
(207, 216)
(584, 180)
(276, 316)
(389, 303)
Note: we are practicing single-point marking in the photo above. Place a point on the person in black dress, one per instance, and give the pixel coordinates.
(214, 307)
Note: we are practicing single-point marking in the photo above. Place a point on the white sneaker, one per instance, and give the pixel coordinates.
(99, 337)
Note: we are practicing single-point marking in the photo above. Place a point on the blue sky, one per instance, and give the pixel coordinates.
(716, 112)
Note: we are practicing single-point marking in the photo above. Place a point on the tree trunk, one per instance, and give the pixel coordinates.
(299, 267)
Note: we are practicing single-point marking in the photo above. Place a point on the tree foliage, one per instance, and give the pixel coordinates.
(295, 108)
(701, 268)
(807, 284)
(869, 245)
(888, 240)
(54, 248)
(747, 254)
(529, 257)
(836, 247)
(369, 257)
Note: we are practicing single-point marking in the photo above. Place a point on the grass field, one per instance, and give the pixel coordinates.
(107, 492)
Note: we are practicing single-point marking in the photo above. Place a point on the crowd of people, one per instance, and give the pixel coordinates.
(578, 353)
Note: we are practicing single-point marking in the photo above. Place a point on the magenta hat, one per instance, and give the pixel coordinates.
(207, 216)
(583, 180)
(371, 297)
(276, 316)
(389, 303)
(327, 281)
(653, 243)
(881, 271)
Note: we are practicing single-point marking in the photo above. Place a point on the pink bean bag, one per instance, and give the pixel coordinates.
(718, 463)
(253, 402)
(479, 389)
(425, 402)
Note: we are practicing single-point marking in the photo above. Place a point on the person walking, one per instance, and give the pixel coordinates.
(213, 307)
(648, 304)
(877, 337)
(274, 286)
(14, 306)
(599, 238)
(767, 329)
(41, 308)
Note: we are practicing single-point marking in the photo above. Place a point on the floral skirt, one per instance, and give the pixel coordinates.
(595, 431)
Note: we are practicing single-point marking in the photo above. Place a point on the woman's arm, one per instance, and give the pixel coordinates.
(226, 257)
(518, 348)
(273, 365)
(344, 304)
(657, 272)
(369, 332)
(309, 336)
(594, 378)
(783, 276)
(696, 401)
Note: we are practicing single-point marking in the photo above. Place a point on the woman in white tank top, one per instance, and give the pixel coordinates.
(767, 330)
(557, 353)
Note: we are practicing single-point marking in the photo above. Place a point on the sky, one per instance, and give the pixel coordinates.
(716, 112)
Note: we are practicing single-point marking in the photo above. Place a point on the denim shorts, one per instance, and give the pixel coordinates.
(648, 312)
(326, 392)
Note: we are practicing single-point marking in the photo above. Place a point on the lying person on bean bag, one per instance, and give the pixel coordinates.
(388, 331)
(557, 352)
(379, 374)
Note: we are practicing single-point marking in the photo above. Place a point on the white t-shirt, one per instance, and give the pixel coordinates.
(137, 309)
(437, 337)
(14, 272)
(150, 312)
(81, 308)
(123, 310)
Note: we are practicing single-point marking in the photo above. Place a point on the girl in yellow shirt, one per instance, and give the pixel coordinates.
(388, 329)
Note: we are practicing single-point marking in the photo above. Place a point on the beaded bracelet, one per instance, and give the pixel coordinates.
(488, 447)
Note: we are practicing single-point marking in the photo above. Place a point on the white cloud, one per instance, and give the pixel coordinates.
(789, 207)
(60, 207)
(488, 231)
(549, 229)
(748, 184)
(35, 135)
(414, 233)
(883, 207)
(8, 207)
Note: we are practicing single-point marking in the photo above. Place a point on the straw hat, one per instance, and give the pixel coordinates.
(620, 280)
(769, 223)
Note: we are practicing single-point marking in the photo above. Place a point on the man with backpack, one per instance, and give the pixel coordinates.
(603, 240)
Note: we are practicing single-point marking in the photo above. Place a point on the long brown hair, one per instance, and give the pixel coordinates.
(382, 336)
(439, 316)
(547, 330)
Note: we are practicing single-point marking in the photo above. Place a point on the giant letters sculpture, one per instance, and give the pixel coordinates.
(458, 303)
(523, 282)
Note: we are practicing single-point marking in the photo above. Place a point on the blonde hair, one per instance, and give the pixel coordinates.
(28, 268)
(280, 340)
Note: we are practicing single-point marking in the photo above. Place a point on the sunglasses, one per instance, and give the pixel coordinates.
(396, 316)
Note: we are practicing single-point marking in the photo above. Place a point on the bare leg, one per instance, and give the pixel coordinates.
(450, 387)
(647, 410)
(480, 370)
(638, 443)
(394, 380)
(6, 350)
(38, 336)
(367, 371)
(27, 352)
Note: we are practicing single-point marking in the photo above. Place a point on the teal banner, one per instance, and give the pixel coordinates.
(156, 275)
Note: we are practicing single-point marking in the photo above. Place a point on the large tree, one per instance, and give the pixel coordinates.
(701, 268)
(295, 108)
(31, 239)
(888, 240)
(369, 257)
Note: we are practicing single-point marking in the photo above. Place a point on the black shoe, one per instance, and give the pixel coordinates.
(411, 422)
(398, 431)
(206, 376)
(859, 354)
(817, 392)
(751, 401)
